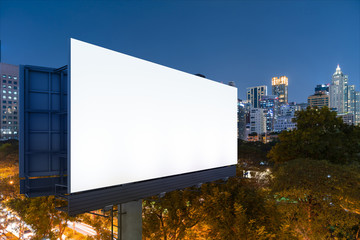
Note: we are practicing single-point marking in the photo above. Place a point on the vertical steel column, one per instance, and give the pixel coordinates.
(112, 222)
(119, 221)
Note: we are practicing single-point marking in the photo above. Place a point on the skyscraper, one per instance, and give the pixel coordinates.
(357, 108)
(280, 88)
(258, 120)
(321, 97)
(9, 125)
(254, 94)
(271, 104)
(338, 92)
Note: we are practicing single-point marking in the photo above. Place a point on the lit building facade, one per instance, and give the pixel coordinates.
(9, 125)
(319, 100)
(347, 118)
(321, 97)
(338, 92)
(271, 104)
(284, 123)
(254, 94)
(258, 120)
(241, 120)
(322, 89)
(357, 108)
(280, 88)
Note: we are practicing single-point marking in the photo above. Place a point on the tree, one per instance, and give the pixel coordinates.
(100, 225)
(171, 216)
(320, 134)
(237, 210)
(318, 199)
(41, 215)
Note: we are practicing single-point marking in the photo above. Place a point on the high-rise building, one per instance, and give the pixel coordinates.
(258, 120)
(321, 97)
(351, 99)
(338, 92)
(280, 88)
(271, 104)
(254, 94)
(9, 125)
(322, 89)
(284, 123)
(241, 120)
(319, 100)
(357, 108)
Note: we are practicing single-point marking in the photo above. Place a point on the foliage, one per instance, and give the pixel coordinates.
(236, 210)
(253, 154)
(172, 216)
(41, 215)
(9, 147)
(319, 135)
(221, 210)
(318, 199)
(99, 224)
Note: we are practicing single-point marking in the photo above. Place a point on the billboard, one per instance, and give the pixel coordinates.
(132, 120)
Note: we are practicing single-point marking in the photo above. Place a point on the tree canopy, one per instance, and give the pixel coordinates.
(320, 134)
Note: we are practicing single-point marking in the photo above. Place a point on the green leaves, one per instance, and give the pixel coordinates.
(318, 199)
(320, 134)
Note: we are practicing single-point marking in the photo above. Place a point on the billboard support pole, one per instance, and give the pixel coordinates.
(129, 221)
(112, 221)
(119, 221)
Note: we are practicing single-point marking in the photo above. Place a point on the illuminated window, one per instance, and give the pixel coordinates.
(4, 96)
(9, 122)
(9, 77)
(9, 86)
(4, 76)
(4, 86)
(4, 91)
(9, 97)
(15, 93)
(15, 132)
(15, 98)
(15, 78)
(9, 92)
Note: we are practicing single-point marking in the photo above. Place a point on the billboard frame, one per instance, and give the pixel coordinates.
(45, 183)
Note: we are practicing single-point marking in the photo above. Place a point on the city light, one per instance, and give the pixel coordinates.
(278, 81)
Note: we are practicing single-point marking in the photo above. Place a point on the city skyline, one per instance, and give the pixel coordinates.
(248, 42)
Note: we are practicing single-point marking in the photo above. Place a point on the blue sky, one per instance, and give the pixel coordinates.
(248, 42)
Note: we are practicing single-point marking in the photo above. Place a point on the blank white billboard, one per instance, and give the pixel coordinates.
(133, 120)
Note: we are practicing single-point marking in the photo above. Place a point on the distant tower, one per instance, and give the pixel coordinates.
(280, 88)
(254, 94)
(338, 92)
(321, 97)
(9, 95)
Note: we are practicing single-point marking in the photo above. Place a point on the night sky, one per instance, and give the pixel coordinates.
(248, 42)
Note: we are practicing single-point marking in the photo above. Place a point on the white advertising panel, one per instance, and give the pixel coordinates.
(133, 120)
